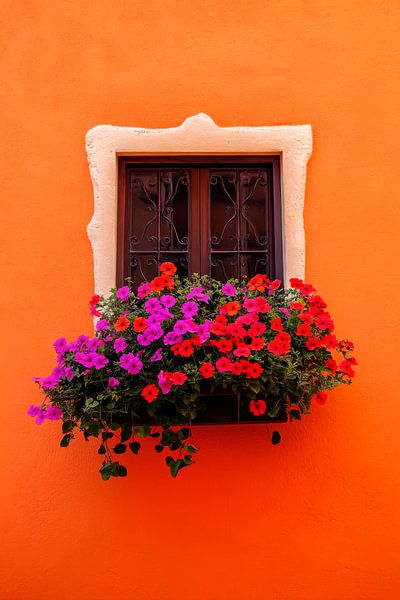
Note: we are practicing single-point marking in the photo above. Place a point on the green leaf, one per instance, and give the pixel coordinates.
(143, 431)
(276, 437)
(102, 449)
(158, 448)
(188, 460)
(66, 440)
(119, 448)
(254, 386)
(126, 432)
(294, 414)
(135, 447)
(190, 448)
(106, 472)
(122, 471)
(174, 467)
(114, 425)
(169, 460)
(68, 426)
(107, 435)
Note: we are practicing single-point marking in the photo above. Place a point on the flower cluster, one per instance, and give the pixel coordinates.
(155, 349)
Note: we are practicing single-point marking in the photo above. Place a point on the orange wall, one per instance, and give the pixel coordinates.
(312, 519)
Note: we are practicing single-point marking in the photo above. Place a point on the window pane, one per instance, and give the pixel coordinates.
(223, 210)
(144, 213)
(144, 267)
(253, 209)
(224, 266)
(174, 210)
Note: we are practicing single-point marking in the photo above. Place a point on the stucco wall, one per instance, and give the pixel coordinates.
(314, 518)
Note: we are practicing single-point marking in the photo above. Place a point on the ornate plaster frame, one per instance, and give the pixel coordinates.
(197, 135)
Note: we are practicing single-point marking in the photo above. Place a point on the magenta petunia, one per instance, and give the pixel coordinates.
(120, 344)
(100, 361)
(168, 301)
(156, 356)
(144, 290)
(53, 413)
(152, 304)
(228, 289)
(102, 325)
(123, 293)
(190, 309)
(113, 383)
(131, 363)
(60, 345)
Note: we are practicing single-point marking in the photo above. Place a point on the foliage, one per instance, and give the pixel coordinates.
(153, 349)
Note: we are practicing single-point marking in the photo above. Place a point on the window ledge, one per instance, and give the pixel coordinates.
(197, 135)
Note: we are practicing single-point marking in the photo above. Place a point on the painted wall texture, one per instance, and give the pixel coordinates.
(312, 519)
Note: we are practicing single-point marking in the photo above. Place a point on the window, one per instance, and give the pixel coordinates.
(217, 216)
(214, 215)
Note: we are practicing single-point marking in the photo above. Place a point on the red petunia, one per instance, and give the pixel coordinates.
(320, 398)
(223, 364)
(236, 368)
(262, 305)
(307, 318)
(157, 284)
(242, 351)
(121, 323)
(95, 299)
(231, 308)
(346, 367)
(312, 343)
(274, 285)
(178, 378)
(303, 330)
(276, 324)
(253, 371)
(258, 282)
(331, 365)
(306, 289)
(207, 370)
(168, 269)
(139, 324)
(236, 330)
(323, 322)
(329, 341)
(256, 329)
(257, 344)
(186, 348)
(257, 407)
(150, 392)
(296, 283)
(297, 306)
(223, 345)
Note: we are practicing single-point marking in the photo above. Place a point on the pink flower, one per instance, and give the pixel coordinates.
(123, 293)
(113, 383)
(144, 290)
(228, 289)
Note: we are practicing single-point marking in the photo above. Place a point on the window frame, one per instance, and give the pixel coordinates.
(198, 161)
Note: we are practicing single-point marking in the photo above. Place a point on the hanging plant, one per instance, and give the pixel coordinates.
(153, 350)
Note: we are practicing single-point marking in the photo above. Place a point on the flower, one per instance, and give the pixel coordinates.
(139, 324)
(186, 348)
(152, 305)
(95, 299)
(102, 325)
(121, 323)
(178, 378)
(257, 407)
(38, 412)
(296, 283)
(190, 309)
(331, 365)
(312, 343)
(323, 322)
(303, 330)
(156, 356)
(231, 308)
(99, 361)
(123, 293)
(258, 282)
(120, 344)
(253, 371)
(346, 367)
(276, 324)
(168, 269)
(113, 383)
(207, 370)
(168, 301)
(223, 364)
(228, 289)
(131, 363)
(53, 413)
(144, 290)
(150, 392)
(60, 345)
(320, 398)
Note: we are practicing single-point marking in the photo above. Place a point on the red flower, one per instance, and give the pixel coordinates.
(346, 368)
(331, 365)
(150, 392)
(276, 324)
(346, 345)
(303, 330)
(223, 364)
(280, 344)
(256, 329)
(320, 398)
(242, 351)
(258, 407)
(207, 370)
(223, 345)
(274, 285)
(324, 322)
(178, 378)
(258, 282)
(157, 284)
(307, 289)
(312, 343)
(93, 311)
(186, 348)
(296, 283)
(168, 269)
(236, 368)
(297, 306)
(95, 299)
(236, 330)
(254, 371)
(231, 308)
(307, 318)
(218, 328)
(262, 305)
(329, 341)
(139, 324)
(121, 323)
(317, 302)
(257, 344)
